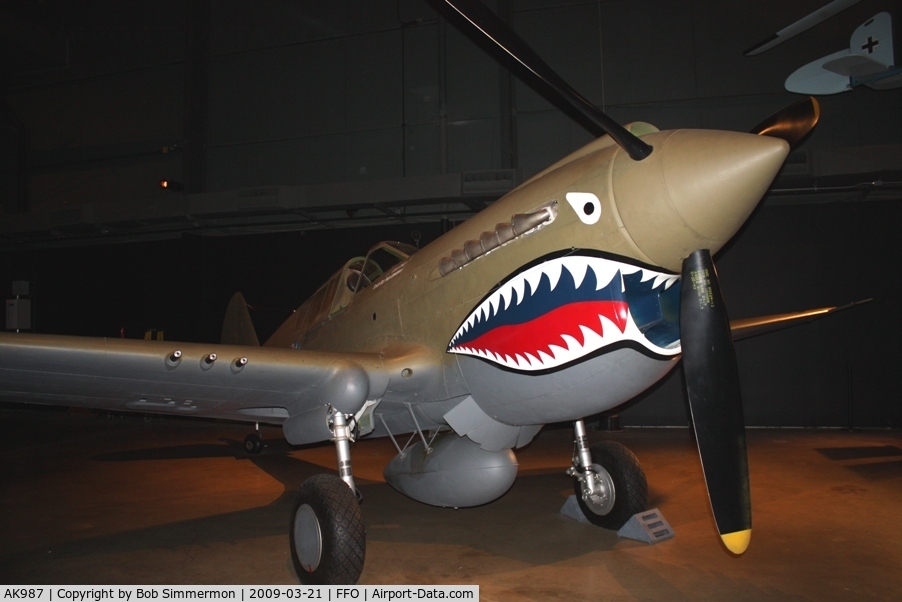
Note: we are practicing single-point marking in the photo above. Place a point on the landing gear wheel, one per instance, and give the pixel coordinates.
(630, 489)
(328, 540)
(253, 444)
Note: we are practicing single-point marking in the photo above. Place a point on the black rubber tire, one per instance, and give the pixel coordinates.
(630, 485)
(253, 444)
(342, 537)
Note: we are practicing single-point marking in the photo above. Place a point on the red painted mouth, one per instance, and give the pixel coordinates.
(538, 335)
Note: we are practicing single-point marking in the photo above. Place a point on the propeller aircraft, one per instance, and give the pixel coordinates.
(567, 297)
(868, 61)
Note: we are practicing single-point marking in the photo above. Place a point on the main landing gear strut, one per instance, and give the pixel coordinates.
(610, 485)
(328, 539)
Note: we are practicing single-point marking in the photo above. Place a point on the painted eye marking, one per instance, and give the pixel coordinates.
(586, 205)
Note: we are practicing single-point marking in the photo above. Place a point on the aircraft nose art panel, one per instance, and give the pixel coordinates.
(567, 308)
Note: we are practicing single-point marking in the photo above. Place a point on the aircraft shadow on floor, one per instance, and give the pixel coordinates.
(877, 468)
(534, 501)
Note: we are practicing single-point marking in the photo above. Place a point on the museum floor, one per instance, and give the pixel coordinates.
(88, 499)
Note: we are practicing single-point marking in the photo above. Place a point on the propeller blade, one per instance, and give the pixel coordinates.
(489, 31)
(791, 123)
(712, 382)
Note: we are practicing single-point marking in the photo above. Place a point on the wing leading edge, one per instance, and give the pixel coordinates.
(750, 327)
(279, 386)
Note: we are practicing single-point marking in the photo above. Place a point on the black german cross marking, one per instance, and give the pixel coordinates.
(870, 45)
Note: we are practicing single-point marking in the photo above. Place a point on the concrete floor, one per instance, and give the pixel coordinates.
(88, 499)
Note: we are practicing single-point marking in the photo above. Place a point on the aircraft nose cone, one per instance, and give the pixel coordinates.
(715, 179)
(695, 190)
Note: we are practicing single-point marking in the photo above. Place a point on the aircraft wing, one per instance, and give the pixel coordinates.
(868, 60)
(803, 24)
(750, 327)
(255, 384)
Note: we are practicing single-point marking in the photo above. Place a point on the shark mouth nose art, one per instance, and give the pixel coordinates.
(568, 308)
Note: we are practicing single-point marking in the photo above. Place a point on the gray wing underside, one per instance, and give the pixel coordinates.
(241, 383)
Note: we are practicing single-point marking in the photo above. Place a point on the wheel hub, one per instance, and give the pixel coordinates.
(308, 538)
(601, 501)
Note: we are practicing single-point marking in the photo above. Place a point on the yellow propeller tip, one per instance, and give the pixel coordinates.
(738, 541)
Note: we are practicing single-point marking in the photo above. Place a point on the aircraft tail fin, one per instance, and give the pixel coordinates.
(237, 328)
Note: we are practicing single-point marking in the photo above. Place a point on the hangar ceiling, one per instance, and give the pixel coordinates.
(274, 116)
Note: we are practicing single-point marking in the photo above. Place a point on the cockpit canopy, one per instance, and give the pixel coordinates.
(357, 274)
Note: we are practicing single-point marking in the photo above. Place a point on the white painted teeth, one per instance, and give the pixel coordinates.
(605, 271)
(578, 269)
(518, 285)
(494, 305)
(534, 277)
(578, 266)
(662, 280)
(554, 273)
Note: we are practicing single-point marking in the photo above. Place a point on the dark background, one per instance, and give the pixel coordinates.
(245, 95)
